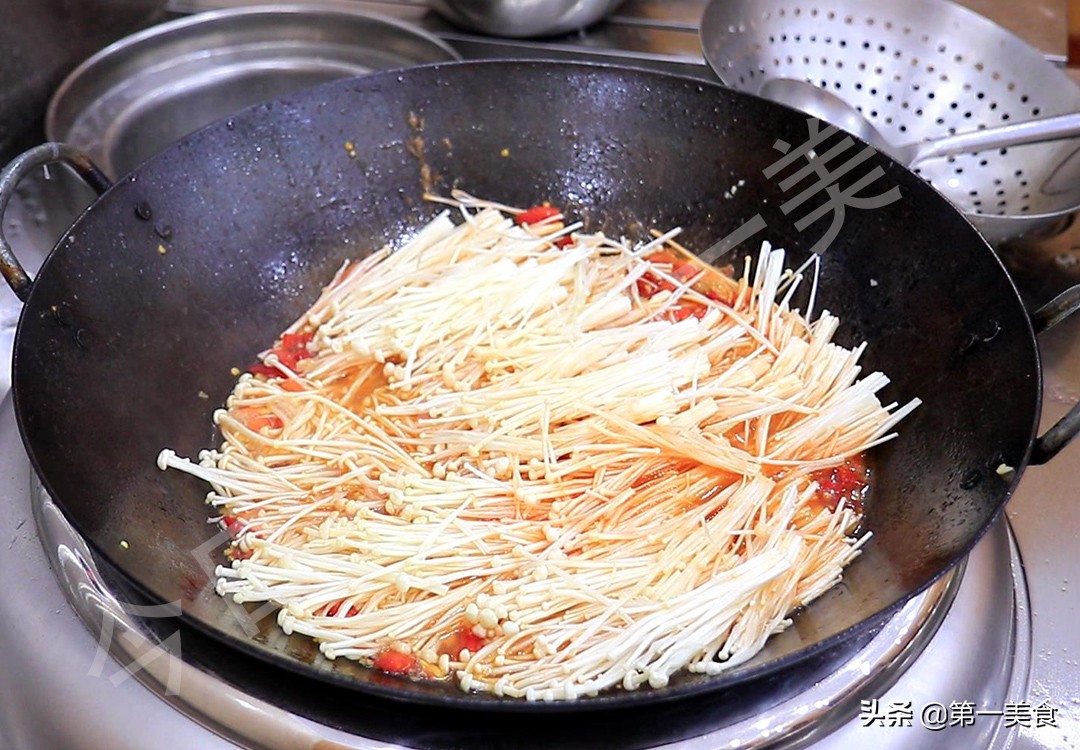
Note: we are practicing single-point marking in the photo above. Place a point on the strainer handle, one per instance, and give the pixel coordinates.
(12, 175)
(1066, 428)
(1054, 128)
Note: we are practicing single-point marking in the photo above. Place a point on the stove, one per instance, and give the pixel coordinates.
(987, 658)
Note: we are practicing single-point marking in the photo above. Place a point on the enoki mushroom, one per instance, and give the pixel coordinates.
(541, 462)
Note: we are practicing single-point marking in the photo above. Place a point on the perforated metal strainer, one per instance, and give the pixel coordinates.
(918, 69)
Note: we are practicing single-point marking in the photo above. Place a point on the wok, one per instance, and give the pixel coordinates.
(194, 262)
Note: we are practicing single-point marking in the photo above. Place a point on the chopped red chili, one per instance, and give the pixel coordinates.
(686, 271)
(650, 284)
(262, 419)
(235, 553)
(233, 525)
(459, 640)
(334, 608)
(681, 269)
(687, 309)
(845, 484)
(395, 662)
(536, 214)
(292, 348)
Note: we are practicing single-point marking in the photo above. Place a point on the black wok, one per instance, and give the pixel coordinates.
(193, 263)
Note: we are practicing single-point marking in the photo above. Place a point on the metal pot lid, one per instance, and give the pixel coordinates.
(150, 89)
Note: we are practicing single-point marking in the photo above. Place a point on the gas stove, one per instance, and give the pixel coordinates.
(987, 658)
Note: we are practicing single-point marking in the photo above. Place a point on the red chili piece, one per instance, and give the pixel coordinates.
(395, 662)
(847, 483)
(461, 639)
(682, 270)
(687, 309)
(258, 421)
(265, 370)
(233, 525)
(290, 350)
(685, 271)
(536, 214)
(650, 284)
(334, 608)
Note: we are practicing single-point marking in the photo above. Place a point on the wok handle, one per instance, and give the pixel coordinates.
(12, 175)
(1047, 316)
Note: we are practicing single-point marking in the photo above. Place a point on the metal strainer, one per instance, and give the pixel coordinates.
(918, 69)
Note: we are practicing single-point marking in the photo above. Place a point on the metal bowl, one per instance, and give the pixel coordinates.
(524, 18)
(148, 90)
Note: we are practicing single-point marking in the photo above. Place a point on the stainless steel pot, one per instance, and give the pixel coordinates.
(524, 18)
(150, 89)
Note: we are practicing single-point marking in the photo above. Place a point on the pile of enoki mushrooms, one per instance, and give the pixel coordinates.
(543, 463)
